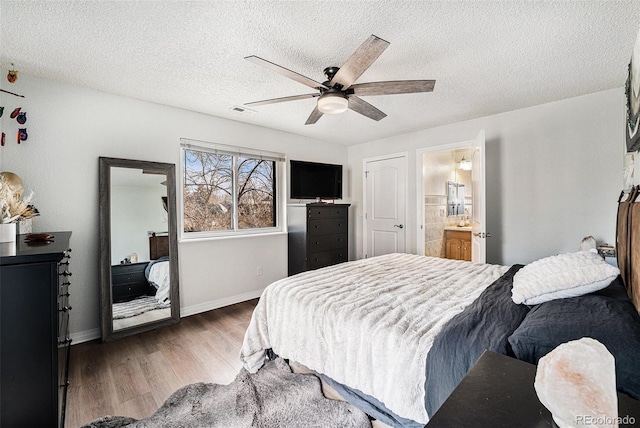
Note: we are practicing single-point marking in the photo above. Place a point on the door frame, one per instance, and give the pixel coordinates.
(405, 157)
(420, 185)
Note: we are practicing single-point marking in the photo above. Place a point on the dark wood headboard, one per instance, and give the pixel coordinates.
(158, 246)
(628, 243)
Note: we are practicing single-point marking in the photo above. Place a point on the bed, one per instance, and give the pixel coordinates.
(394, 334)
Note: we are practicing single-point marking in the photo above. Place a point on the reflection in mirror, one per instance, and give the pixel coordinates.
(139, 246)
(455, 198)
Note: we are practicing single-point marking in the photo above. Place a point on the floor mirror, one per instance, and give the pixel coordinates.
(139, 288)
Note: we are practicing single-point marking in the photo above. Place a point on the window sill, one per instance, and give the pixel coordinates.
(184, 239)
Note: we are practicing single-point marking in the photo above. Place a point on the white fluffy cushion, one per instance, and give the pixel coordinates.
(562, 276)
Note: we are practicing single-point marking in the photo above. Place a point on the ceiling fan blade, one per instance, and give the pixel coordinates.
(285, 72)
(314, 116)
(364, 108)
(393, 87)
(281, 100)
(359, 61)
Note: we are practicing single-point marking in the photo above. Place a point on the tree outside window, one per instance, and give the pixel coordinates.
(224, 192)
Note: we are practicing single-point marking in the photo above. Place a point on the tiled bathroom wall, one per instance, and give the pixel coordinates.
(435, 220)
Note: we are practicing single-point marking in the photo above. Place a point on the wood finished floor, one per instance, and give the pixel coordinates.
(135, 375)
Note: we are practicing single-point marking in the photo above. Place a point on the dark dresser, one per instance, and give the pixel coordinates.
(34, 332)
(318, 236)
(129, 281)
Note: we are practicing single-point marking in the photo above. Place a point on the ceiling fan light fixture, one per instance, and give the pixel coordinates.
(333, 103)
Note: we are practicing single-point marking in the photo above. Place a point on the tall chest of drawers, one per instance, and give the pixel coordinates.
(318, 236)
(34, 332)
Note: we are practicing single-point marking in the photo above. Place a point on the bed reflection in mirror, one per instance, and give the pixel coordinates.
(139, 286)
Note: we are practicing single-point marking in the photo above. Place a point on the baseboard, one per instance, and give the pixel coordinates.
(87, 335)
(219, 303)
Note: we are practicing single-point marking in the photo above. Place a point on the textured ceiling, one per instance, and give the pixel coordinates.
(487, 56)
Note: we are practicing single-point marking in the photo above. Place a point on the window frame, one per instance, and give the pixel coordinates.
(236, 152)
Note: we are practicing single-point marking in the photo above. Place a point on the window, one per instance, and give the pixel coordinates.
(228, 190)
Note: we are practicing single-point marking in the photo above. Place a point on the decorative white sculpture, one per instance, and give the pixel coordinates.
(577, 383)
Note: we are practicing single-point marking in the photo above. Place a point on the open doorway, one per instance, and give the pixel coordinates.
(451, 211)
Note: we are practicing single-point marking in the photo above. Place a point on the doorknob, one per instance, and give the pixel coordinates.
(482, 234)
(399, 226)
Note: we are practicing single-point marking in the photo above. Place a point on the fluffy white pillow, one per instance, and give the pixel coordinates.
(562, 276)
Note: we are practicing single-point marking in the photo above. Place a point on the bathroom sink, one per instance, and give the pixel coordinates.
(461, 228)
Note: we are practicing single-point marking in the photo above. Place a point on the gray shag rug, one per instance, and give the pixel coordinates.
(137, 306)
(272, 397)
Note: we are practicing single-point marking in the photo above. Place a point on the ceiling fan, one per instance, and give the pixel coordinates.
(340, 92)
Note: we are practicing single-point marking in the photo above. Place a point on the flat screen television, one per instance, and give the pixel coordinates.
(312, 180)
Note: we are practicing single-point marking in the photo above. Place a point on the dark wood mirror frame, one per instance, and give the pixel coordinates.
(105, 165)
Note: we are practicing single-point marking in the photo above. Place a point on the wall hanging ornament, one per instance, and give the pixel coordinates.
(22, 135)
(15, 113)
(12, 75)
(2, 140)
(1, 111)
(21, 118)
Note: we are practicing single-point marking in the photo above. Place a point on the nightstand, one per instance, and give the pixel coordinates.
(498, 392)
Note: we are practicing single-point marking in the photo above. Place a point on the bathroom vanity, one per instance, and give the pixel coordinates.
(457, 243)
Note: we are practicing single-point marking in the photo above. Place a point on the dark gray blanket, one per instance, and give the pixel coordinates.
(485, 324)
(272, 397)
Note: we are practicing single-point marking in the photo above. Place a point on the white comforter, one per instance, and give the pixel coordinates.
(160, 275)
(367, 324)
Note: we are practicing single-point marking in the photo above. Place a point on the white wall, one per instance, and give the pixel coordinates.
(438, 168)
(70, 127)
(553, 175)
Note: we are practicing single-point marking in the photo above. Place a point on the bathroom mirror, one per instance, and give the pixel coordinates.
(138, 247)
(455, 198)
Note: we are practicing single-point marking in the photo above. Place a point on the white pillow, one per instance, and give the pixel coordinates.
(562, 276)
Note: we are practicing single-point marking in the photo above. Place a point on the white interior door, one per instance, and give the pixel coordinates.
(385, 206)
(478, 188)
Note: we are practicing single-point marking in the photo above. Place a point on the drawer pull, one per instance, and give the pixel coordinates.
(65, 273)
(65, 294)
(65, 309)
(317, 243)
(65, 385)
(64, 263)
(67, 283)
(67, 341)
